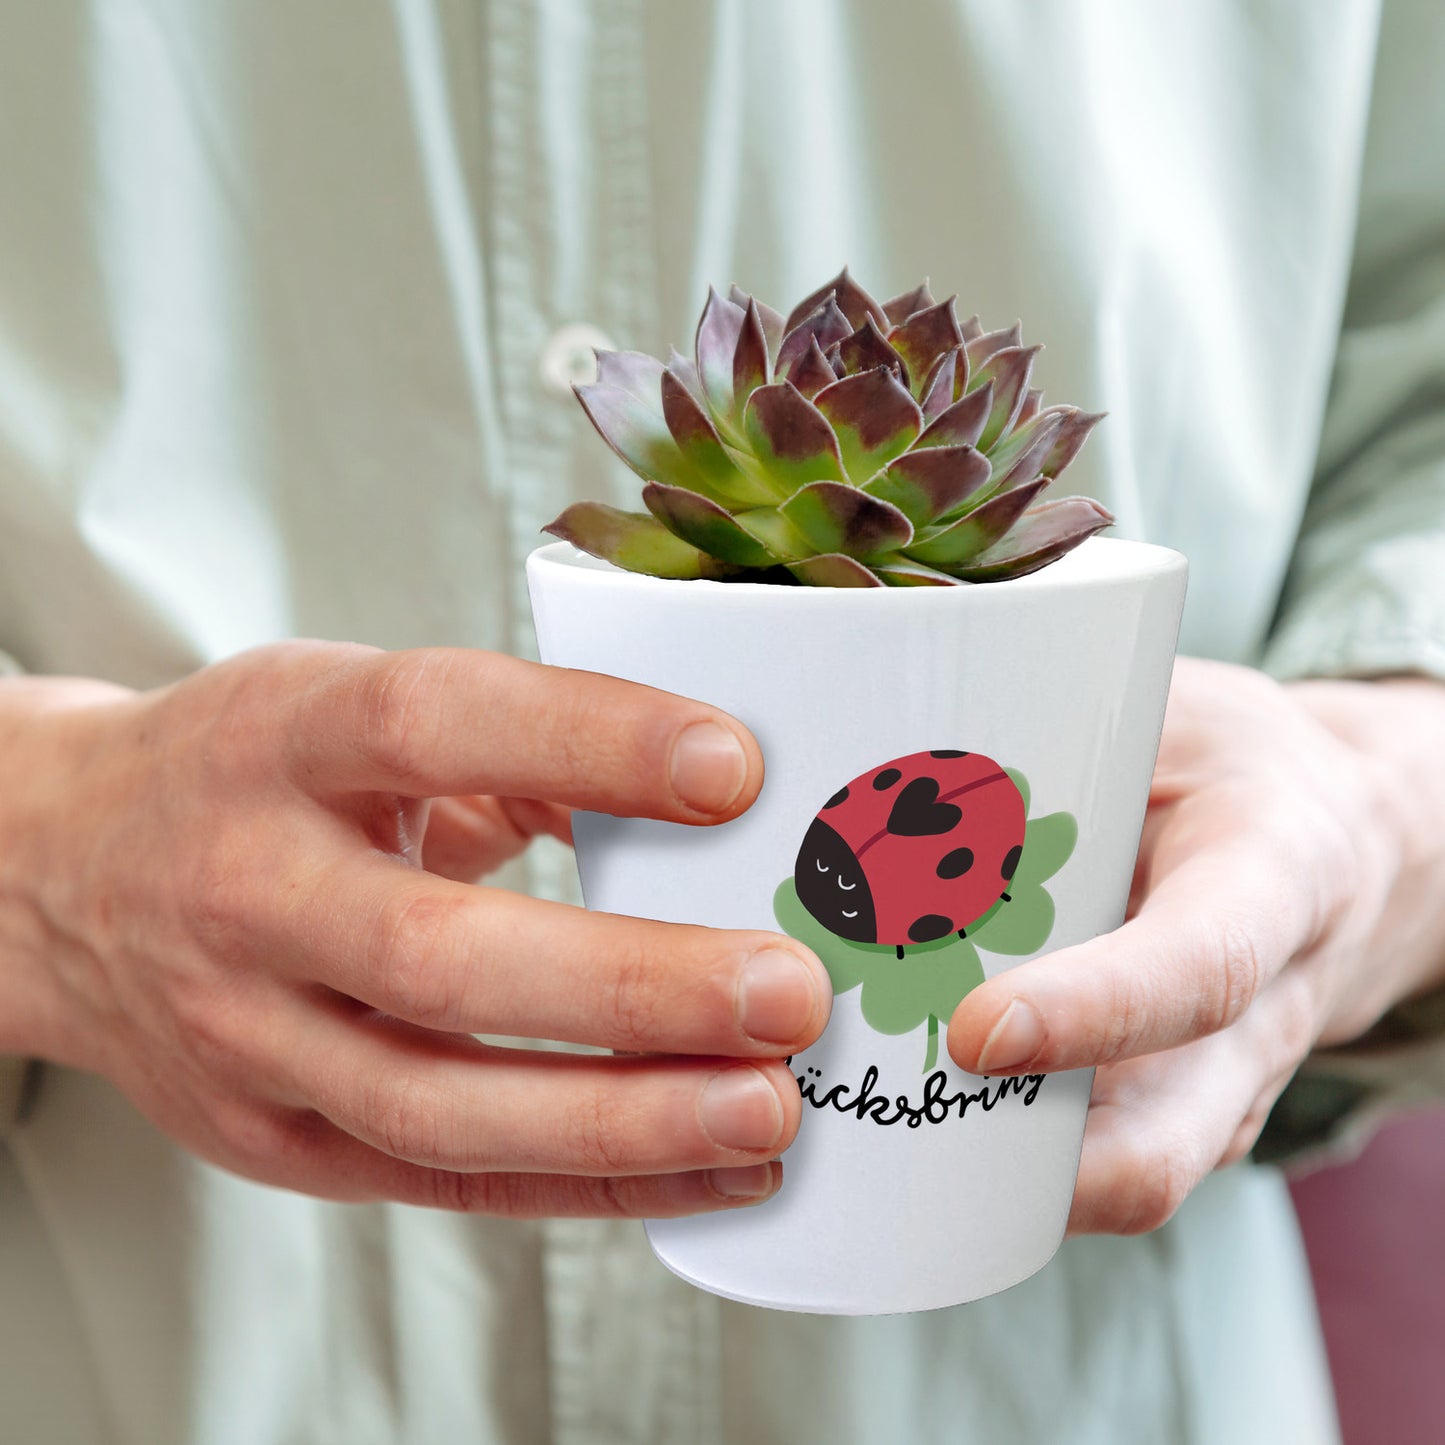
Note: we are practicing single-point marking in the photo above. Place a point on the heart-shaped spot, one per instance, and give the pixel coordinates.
(917, 813)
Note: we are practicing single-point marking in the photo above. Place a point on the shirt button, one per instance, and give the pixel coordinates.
(567, 358)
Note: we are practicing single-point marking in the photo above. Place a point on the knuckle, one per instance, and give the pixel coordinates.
(598, 1144)
(1237, 977)
(1294, 1029)
(255, 1140)
(414, 962)
(631, 1004)
(1163, 1178)
(395, 719)
(401, 1115)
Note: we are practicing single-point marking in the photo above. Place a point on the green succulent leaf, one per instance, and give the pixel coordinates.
(868, 348)
(901, 307)
(873, 417)
(852, 300)
(634, 430)
(925, 338)
(709, 527)
(977, 530)
(961, 423)
(713, 471)
(835, 517)
(1042, 536)
(1009, 370)
(790, 441)
(1072, 435)
(925, 485)
(717, 344)
(1019, 457)
(635, 542)
(833, 569)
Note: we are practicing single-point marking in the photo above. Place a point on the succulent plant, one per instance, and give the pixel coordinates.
(855, 444)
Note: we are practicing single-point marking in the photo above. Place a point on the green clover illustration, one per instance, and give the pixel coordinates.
(932, 979)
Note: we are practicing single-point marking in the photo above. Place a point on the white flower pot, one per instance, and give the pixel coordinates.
(911, 1184)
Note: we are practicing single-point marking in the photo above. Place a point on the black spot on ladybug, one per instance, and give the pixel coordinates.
(1011, 861)
(833, 887)
(886, 779)
(929, 927)
(955, 864)
(948, 753)
(841, 796)
(917, 813)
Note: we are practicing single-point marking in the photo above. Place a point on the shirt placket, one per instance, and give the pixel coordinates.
(633, 1352)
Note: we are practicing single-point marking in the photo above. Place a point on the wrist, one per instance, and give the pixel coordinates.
(44, 723)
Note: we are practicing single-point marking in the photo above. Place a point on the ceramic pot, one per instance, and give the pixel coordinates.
(956, 782)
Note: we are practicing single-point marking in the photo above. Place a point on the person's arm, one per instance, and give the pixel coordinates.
(1288, 903)
(234, 898)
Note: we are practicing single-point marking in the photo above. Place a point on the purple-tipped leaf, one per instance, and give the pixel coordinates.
(900, 308)
(772, 320)
(1049, 532)
(835, 517)
(811, 372)
(904, 573)
(1009, 370)
(634, 372)
(709, 527)
(873, 417)
(685, 370)
(634, 430)
(989, 343)
(972, 329)
(1032, 404)
(717, 344)
(834, 356)
(635, 542)
(825, 324)
(833, 569)
(945, 383)
(790, 439)
(866, 348)
(854, 302)
(750, 359)
(925, 485)
(713, 471)
(962, 423)
(1072, 435)
(1019, 457)
(974, 533)
(924, 339)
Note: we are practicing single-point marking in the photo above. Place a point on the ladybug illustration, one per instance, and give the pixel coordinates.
(913, 850)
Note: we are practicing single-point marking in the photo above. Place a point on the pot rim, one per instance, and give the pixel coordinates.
(1099, 562)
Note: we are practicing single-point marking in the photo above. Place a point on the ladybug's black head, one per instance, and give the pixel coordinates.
(833, 887)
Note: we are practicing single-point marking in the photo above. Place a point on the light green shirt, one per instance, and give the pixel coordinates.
(290, 295)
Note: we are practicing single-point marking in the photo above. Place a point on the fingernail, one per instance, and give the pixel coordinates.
(777, 996)
(1013, 1040)
(740, 1109)
(708, 767)
(752, 1181)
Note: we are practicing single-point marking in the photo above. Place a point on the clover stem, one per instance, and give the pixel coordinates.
(931, 1057)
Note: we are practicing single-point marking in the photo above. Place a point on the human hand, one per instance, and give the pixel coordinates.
(1286, 895)
(223, 905)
